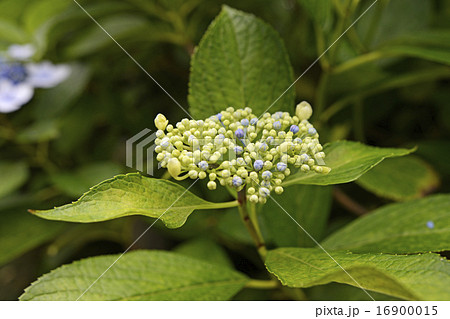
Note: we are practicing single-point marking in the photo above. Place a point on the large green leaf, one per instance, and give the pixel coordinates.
(241, 61)
(309, 205)
(13, 175)
(400, 178)
(348, 161)
(20, 232)
(132, 194)
(412, 277)
(415, 226)
(138, 275)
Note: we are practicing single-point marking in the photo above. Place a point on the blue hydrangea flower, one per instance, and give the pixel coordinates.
(266, 175)
(237, 181)
(203, 165)
(253, 121)
(21, 52)
(312, 131)
(13, 96)
(219, 116)
(281, 166)
(294, 129)
(277, 125)
(258, 165)
(14, 72)
(46, 74)
(244, 122)
(298, 140)
(239, 133)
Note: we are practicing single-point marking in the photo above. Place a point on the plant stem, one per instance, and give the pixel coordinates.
(262, 284)
(348, 202)
(250, 224)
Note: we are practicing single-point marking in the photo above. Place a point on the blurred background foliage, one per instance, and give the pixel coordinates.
(385, 83)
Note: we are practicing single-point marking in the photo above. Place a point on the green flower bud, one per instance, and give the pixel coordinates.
(161, 122)
(211, 185)
(303, 111)
(174, 167)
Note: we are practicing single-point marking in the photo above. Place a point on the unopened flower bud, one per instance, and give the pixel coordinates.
(303, 111)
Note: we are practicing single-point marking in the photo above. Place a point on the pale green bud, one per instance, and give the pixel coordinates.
(211, 185)
(253, 198)
(193, 174)
(174, 167)
(303, 111)
(279, 189)
(161, 122)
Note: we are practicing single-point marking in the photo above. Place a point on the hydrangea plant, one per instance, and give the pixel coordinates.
(246, 137)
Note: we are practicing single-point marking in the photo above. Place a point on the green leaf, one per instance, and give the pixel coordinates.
(13, 175)
(40, 131)
(119, 26)
(398, 228)
(411, 277)
(348, 161)
(39, 12)
(319, 11)
(439, 55)
(241, 61)
(132, 194)
(309, 205)
(204, 249)
(400, 178)
(138, 275)
(21, 232)
(10, 31)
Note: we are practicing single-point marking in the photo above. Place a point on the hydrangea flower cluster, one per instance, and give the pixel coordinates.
(19, 76)
(237, 149)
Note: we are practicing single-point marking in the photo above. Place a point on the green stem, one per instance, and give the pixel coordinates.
(262, 284)
(233, 203)
(250, 224)
(362, 59)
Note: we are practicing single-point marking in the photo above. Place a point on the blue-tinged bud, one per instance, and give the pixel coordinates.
(263, 147)
(238, 150)
(281, 166)
(266, 175)
(219, 116)
(239, 133)
(244, 122)
(203, 165)
(253, 121)
(294, 129)
(312, 131)
(277, 125)
(258, 165)
(264, 192)
(236, 181)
